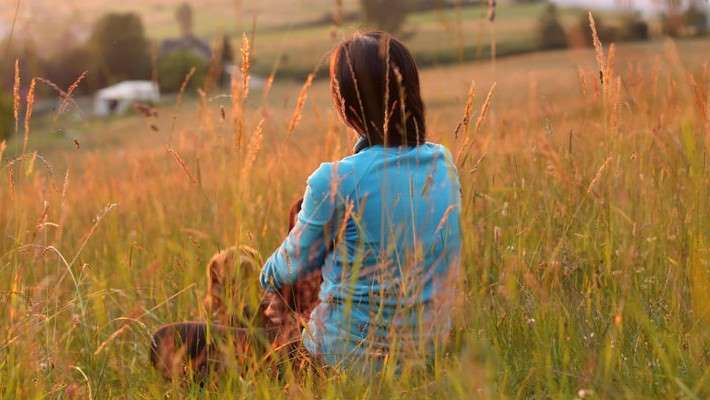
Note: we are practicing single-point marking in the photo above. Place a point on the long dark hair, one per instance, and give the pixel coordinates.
(374, 82)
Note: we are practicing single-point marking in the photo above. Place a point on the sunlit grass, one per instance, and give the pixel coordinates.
(586, 222)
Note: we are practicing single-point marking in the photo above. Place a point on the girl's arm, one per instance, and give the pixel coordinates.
(305, 248)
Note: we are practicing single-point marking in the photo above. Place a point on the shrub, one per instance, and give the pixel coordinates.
(583, 31)
(184, 17)
(551, 33)
(174, 67)
(119, 48)
(633, 27)
(67, 66)
(695, 21)
(387, 15)
(30, 62)
(7, 120)
(691, 22)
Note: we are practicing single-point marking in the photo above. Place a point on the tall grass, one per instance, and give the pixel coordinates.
(586, 247)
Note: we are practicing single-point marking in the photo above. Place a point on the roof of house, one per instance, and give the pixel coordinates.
(190, 43)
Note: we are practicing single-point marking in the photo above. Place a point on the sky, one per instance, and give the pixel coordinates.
(646, 6)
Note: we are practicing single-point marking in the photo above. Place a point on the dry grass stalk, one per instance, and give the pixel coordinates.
(11, 180)
(206, 121)
(338, 14)
(485, 108)
(267, 86)
(183, 85)
(62, 94)
(253, 149)
(609, 68)
(385, 50)
(462, 155)
(598, 47)
(28, 114)
(245, 66)
(214, 69)
(62, 209)
(68, 95)
(240, 91)
(182, 164)
(16, 96)
(701, 96)
(300, 103)
(3, 146)
(598, 176)
(556, 167)
(401, 101)
(492, 27)
(491, 10)
(237, 117)
(468, 110)
(111, 338)
(15, 289)
(361, 115)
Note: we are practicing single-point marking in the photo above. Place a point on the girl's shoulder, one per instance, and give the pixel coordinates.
(344, 175)
(341, 175)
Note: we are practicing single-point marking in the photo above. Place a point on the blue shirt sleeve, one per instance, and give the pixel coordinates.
(305, 248)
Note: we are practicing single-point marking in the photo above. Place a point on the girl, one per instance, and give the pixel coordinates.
(381, 226)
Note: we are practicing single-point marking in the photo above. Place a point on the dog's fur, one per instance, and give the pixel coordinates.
(191, 349)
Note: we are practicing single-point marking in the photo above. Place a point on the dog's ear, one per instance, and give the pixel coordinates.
(293, 214)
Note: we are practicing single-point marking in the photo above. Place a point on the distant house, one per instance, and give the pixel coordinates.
(118, 98)
(189, 43)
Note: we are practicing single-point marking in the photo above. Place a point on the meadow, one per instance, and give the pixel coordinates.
(586, 217)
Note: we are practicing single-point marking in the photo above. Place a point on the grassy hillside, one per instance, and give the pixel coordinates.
(586, 222)
(289, 35)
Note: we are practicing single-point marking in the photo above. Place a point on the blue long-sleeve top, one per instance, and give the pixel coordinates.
(383, 227)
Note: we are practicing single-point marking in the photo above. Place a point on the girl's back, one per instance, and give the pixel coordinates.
(399, 249)
(381, 225)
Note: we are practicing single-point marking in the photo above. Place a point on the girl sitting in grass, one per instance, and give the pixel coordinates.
(381, 226)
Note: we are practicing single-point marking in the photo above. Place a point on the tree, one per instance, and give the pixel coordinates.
(606, 33)
(119, 49)
(633, 27)
(7, 122)
(695, 20)
(184, 17)
(387, 15)
(65, 68)
(176, 66)
(551, 33)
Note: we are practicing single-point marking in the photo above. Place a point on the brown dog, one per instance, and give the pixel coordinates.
(191, 349)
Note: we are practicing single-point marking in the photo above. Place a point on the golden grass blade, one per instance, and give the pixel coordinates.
(120, 331)
(253, 149)
(491, 10)
(598, 176)
(240, 91)
(463, 153)
(598, 46)
(182, 164)
(485, 108)
(62, 94)
(462, 127)
(16, 96)
(300, 103)
(68, 95)
(184, 84)
(11, 180)
(28, 114)
(3, 146)
(245, 66)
